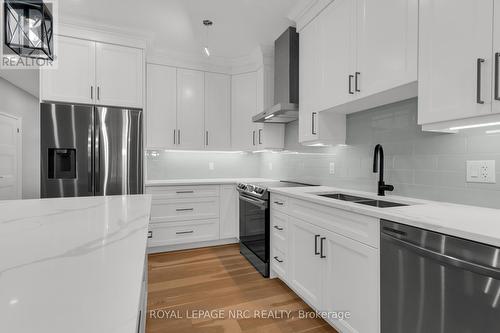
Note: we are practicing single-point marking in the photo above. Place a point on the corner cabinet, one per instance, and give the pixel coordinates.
(91, 72)
(458, 63)
(355, 55)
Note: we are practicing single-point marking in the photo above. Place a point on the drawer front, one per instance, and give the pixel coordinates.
(278, 203)
(362, 228)
(163, 234)
(279, 230)
(170, 210)
(179, 192)
(279, 263)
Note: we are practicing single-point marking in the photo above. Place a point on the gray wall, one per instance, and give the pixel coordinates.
(17, 102)
(179, 165)
(422, 165)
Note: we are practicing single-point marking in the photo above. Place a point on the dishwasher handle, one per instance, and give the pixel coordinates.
(445, 259)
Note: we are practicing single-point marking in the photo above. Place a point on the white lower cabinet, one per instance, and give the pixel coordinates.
(306, 265)
(351, 283)
(192, 214)
(335, 268)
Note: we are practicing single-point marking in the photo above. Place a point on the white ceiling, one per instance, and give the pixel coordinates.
(176, 25)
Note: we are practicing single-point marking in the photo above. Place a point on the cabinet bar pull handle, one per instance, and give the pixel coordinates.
(206, 138)
(278, 203)
(179, 137)
(322, 256)
(316, 237)
(175, 141)
(184, 232)
(253, 138)
(260, 136)
(98, 93)
(278, 228)
(479, 64)
(278, 260)
(356, 77)
(184, 209)
(184, 192)
(92, 92)
(497, 70)
(350, 84)
(313, 123)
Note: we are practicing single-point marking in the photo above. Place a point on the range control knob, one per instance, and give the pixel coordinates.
(250, 188)
(259, 190)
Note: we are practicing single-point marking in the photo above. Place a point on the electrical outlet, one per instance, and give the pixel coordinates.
(211, 165)
(332, 168)
(481, 172)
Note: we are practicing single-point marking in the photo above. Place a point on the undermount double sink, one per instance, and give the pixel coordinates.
(362, 200)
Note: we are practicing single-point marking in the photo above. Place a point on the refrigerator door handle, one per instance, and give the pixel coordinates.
(97, 154)
(90, 160)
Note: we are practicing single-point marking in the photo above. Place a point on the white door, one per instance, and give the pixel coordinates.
(229, 212)
(73, 80)
(455, 38)
(310, 80)
(352, 283)
(10, 157)
(337, 51)
(306, 266)
(190, 109)
(217, 111)
(243, 107)
(387, 44)
(161, 112)
(119, 75)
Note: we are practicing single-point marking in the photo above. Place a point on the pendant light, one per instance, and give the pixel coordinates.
(207, 24)
(28, 28)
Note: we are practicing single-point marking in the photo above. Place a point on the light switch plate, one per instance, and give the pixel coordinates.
(332, 168)
(481, 172)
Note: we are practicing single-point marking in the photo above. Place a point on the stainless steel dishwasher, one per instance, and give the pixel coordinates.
(435, 283)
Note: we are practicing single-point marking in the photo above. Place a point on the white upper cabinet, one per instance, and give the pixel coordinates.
(74, 79)
(387, 45)
(456, 61)
(161, 111)
(244, 134)
(496, 59)
(217, 111)
(190, 109)
(119, 75)
(356, 55)
(338, 55)
(95, 73)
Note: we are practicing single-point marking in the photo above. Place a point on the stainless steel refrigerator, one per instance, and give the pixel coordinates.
(90, 151)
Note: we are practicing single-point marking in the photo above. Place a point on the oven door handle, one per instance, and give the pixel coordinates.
(445, 259)
(259, 203)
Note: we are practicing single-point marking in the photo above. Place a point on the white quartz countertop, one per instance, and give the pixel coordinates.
(73, 264)
(469, 222)
(213, 181)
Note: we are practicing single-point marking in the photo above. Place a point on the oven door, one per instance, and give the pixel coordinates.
(254, 225)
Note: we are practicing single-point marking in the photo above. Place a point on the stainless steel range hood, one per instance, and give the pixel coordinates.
(286, 81)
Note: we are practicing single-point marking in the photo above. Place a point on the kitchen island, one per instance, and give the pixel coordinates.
(73, 264)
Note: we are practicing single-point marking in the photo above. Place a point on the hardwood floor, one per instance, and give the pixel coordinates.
(184, 286)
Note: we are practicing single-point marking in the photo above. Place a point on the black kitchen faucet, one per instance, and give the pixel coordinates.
(378, 166)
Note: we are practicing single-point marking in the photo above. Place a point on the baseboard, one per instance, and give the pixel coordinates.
(178, 247)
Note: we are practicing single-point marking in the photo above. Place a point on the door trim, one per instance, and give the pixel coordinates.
(19, 152)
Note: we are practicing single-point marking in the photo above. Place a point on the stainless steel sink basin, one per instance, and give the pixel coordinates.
(362, 201)
(381, 203)
(343, 197)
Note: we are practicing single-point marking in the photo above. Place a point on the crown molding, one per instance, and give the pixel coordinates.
(83, 29)
(306, 10)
